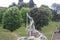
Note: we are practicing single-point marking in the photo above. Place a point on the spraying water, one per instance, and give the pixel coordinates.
(30, 28)
(33, 32)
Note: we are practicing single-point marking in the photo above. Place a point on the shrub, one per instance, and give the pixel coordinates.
(11, 19)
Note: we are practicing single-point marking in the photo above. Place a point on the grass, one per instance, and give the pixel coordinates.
(49, 29)
(7, 35)
(21, 31)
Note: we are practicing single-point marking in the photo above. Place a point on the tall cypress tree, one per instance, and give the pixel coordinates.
(31, 4)
(19, 2)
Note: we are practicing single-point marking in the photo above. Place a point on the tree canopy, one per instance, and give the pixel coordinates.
(41, 16)
(11, 19)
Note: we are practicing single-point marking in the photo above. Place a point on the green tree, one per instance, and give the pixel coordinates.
(41, 16)
(48, 11)
(11, 19)
(23, 12)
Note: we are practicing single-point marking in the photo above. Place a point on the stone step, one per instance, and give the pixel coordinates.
(56, 36)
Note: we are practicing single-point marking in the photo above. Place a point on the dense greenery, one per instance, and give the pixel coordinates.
(41, 16)
(11, 19)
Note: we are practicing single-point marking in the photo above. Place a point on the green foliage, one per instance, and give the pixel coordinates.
(41, 16)
(23, 12)
(11, 19)
(1, 14)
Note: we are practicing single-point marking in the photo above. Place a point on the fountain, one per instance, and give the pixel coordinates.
(31, 27)
(32, 31)
(33, 34)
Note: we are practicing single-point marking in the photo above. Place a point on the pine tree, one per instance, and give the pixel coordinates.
(31, 4)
